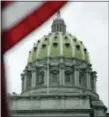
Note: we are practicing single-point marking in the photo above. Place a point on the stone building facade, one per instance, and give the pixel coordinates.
(58, 79)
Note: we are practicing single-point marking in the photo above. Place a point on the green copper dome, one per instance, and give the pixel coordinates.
(58, 43)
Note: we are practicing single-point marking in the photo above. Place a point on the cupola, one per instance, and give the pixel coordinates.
(58, 24)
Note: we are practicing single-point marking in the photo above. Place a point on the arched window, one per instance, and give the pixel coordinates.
(67, 45)
(40, 78)
(56, 37)
(46, 38)
(43, 45)
(82, 78)
(55, 44)
(78, 47)
(54, 77)
(29, 79)
(67, 77)
(74, 39)
(85, 50)
(92, 81)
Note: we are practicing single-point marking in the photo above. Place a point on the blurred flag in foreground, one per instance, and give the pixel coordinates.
(16, 24)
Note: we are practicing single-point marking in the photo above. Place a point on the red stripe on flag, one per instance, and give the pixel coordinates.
(5, 3)
(28, 24)
(4, 103)
(14, 35)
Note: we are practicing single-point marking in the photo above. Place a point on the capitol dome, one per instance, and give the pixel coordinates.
(59, 43)
(58, 79)
(58, 63)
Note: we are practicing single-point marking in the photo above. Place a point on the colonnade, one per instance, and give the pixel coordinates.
(88, 81)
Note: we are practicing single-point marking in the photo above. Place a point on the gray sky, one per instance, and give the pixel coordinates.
(88, 21)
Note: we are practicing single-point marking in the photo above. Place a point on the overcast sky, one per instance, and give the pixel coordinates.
(88, 21)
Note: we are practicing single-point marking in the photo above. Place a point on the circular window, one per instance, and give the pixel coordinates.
(65, 37)
(78, 47)
(35, 47)
(46, 38)
(81, 42)
(55, 37)
(85, 50)
(67, 45)
(55, 44)
(43, 45)
(74, 39)
(38, 41)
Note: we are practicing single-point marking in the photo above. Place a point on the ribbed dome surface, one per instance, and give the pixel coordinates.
(58, 44)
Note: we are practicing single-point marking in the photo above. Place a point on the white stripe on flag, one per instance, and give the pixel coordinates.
(14, 13)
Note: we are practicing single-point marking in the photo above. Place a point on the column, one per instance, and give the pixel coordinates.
(95, 78)
(33, 77)
(25, 80)
(88, 80)
(48, 74)
(73, 77)
(76, 77)
(45, 75)
(61, 76)
(22, 77)
(95, 84)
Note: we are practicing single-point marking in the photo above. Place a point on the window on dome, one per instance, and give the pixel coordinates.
(67, 77)
(82, 79)
(81, 42)
(78, 47)
(40, 79)
(74, 39)
(54, 77)
(38, 41)
(85, 50)
(43, 45)
(46, 38)
(65, 37)
(29, 78)
(35, 48)
(92, 82)
(55, 37)
(55, 44)
(67, 45)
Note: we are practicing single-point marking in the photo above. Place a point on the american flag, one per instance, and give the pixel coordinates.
(17, 24)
